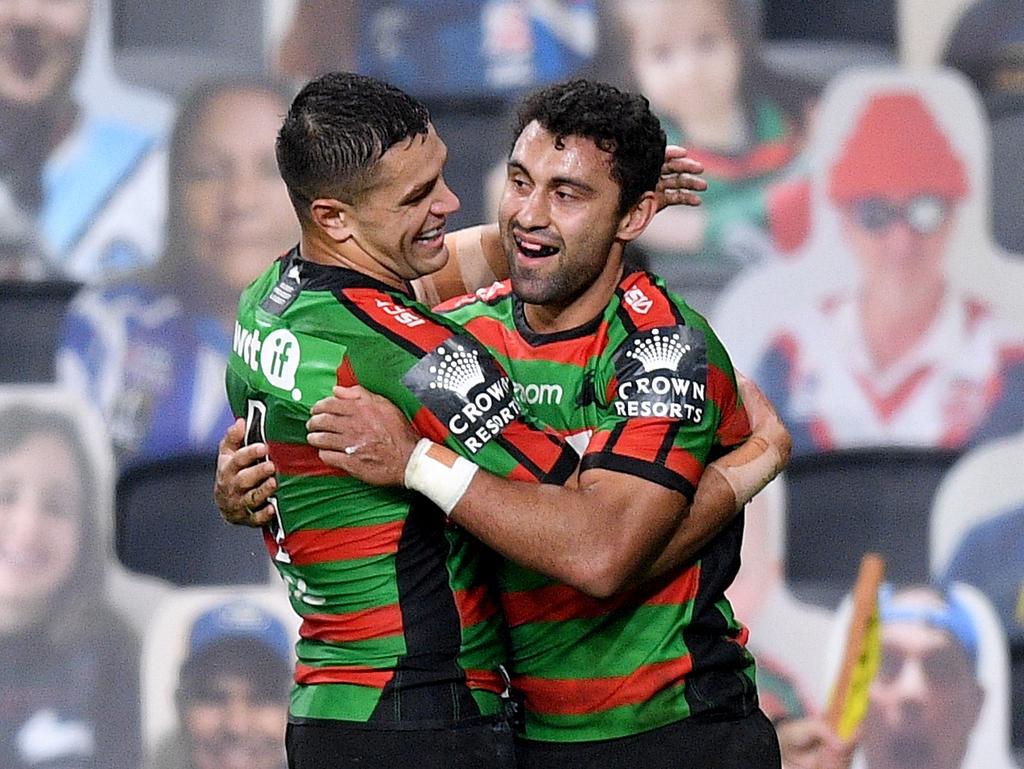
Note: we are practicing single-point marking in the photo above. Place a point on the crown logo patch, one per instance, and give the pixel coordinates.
(657, 352)
(458, 371)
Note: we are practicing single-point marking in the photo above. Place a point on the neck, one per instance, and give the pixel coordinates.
(18, 617)
(895, 317)
(725, 130)
(563, 316)
(315, 247)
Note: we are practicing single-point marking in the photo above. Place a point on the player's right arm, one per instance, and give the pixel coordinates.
(602, 536)
(343, 328)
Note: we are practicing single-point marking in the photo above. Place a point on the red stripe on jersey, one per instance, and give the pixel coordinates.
(598, 442)
(575, 697)
(559, 603)
(734, 425)
(338, 674)
(429, 426)
(486, 294)
(362, 625)
(496, 336)
(299, 459)
(886, 405)
(487, 680)
(309, 546)
(646, 304)
(520, 473)
(742, 637)
(397, 318)
(682, 462)
(346, 374)
(475, 605)
(642, 438)
(544, 454)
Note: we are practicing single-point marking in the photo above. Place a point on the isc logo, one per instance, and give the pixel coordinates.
(401, 314)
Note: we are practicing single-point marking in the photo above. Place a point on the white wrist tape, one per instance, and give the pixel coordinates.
(749, 468)
(439, 474)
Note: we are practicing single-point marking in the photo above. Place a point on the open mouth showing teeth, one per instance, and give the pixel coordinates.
(535, 249)
(430, 234)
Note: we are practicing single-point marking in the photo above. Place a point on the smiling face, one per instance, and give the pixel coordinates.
(236, 208)
(398, 222)
(40, 48)
(688, 71)
(924, 699)
(233, 727)
(560, 219)
(41, 501)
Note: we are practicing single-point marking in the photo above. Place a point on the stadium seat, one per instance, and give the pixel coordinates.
(31, 314)
(841, 504)
(984, 483)
(167, 526)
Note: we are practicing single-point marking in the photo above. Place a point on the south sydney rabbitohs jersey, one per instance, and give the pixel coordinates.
(390, 598)
(645, 389)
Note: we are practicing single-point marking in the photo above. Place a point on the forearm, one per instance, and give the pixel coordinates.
(577, 536)
(726, 485)
(713, 508)
(592, 536)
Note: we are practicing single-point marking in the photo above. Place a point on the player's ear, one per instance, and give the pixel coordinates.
(331, 216)
(635, 220)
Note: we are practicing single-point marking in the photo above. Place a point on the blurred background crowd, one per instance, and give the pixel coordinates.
(859, 251)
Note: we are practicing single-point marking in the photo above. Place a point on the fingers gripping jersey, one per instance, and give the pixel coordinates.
(647, 390)
(390, 598)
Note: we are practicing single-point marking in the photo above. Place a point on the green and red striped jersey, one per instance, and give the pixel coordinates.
(645, 389)
(391, 599)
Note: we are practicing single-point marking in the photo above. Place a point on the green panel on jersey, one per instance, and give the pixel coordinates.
(572, 381)
(344, 702)
(643, 626)
(376, 652)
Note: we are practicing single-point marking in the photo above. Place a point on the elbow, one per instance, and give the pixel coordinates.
(785, 445)
(602, 576)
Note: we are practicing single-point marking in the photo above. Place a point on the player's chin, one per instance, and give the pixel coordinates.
(429, 257)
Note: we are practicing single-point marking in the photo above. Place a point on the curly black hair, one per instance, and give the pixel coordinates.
(618, 122)
(338, 127)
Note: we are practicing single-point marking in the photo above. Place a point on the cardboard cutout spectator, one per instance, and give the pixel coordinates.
(876, 338)
(69, 682)
(94, 182)
(937, 700)
(232, 695)
(151, 352)
(715, 95)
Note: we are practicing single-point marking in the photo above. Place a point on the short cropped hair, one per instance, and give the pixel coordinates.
(338, 127)
(618, 122)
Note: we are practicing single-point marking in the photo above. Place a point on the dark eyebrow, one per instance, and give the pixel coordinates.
(557, 181)
(418, 193)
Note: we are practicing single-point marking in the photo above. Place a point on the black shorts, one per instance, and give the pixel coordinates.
(746, 743)
(484, 742)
